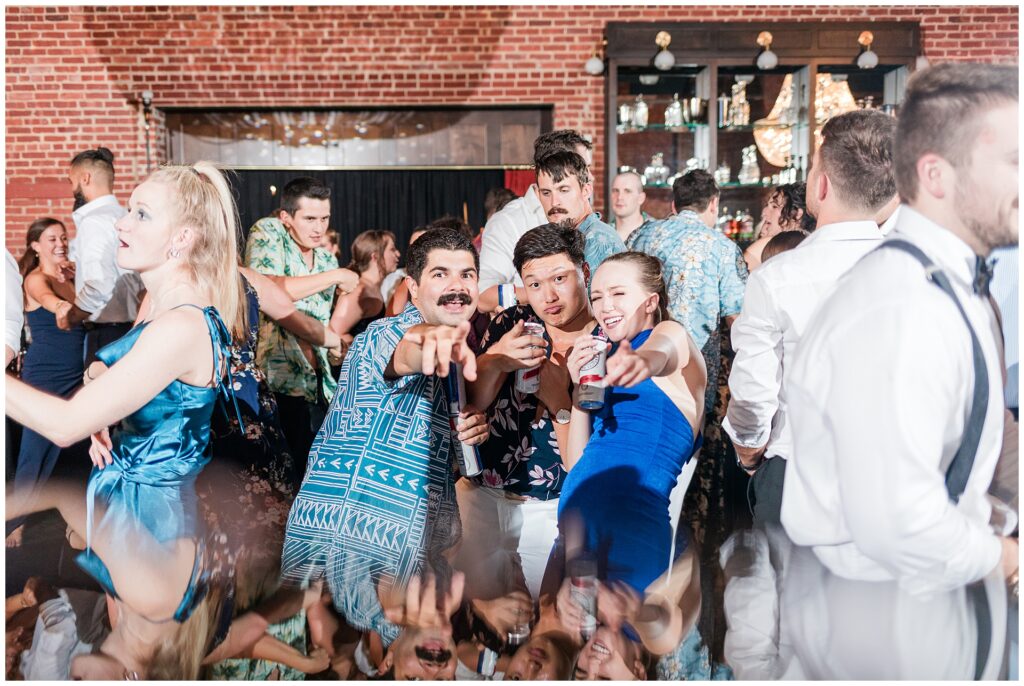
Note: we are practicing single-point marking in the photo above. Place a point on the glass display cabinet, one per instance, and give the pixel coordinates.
(750, 121)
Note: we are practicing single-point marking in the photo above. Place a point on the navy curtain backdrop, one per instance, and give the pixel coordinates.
(395, 200)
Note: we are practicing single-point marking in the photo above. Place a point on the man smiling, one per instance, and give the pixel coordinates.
(378, 500)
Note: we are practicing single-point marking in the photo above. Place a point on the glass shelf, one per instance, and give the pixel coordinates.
(685, 128)
(752, 127)
(737, 184)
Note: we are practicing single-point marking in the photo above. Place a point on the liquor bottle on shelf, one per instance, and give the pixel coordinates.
(640, 113)
(723, 221)
(746, 226)
(674, 113)
(724, 115)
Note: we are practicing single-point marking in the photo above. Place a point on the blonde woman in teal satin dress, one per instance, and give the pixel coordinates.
(145, 538)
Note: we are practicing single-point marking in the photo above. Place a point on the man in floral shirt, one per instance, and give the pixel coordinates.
(509, 514)
(704, 271)
(287, 249)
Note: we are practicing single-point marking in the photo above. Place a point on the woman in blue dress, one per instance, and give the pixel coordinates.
(624, 460)
(146, 543)
(53, 362)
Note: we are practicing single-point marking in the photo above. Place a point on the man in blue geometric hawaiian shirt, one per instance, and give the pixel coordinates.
(378, 501)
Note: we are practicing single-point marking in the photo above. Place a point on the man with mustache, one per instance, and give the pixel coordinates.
(564, 184)
(378, 500)
(507, 226)
(106, 296)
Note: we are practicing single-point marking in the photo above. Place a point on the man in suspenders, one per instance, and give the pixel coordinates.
(897, 413)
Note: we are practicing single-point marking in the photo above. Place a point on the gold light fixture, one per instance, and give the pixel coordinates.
(664, 59)
(868, 58)
(766, 59)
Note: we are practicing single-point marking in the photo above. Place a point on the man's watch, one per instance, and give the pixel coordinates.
(750, 469)
(562, 416)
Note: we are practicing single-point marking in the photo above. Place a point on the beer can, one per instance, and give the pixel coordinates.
(507, 296)
(468, 456)
(528, 380)
(591, 392)
(582, 574)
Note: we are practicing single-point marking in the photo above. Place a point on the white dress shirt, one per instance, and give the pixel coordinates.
(14, 303)
(110, 293)
(889, 224)
(780, 300)
(501, 233)
(879, 395)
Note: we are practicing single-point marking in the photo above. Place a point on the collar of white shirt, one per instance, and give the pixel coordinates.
(531, 201)
(91, 206)
(844, 231)
(948, 251)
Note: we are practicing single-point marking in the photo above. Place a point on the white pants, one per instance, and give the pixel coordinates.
(505, 543)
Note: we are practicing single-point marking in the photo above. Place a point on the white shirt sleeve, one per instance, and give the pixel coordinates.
(499, 242)
(756, 376)
(14, 305)
(884, 407)
(95, 272)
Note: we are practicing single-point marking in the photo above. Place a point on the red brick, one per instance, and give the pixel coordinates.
(71, 70)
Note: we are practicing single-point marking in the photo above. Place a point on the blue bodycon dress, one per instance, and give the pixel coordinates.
(621, 484)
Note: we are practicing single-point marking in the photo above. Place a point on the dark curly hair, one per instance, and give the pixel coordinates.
(793, 197)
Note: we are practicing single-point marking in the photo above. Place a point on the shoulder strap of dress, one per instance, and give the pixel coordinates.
(960, 467)
(221, 338)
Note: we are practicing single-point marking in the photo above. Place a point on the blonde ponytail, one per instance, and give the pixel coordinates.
(202, 197)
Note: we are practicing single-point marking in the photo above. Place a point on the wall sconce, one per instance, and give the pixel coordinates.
(595, 65)
(921, 63)
(868, 58)
(766, 59)
(664, 59)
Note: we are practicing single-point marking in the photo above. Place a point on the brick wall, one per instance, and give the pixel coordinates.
(72, 71)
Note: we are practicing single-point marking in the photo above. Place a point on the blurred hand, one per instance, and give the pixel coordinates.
(441, 345)
(100, 448)
(65, 271)
(516, 350)
(584, 349)
(472, 426)
(346, 280)
(626, 367)
(421, 608)
(503, 613)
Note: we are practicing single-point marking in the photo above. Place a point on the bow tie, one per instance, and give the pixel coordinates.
(982, 275)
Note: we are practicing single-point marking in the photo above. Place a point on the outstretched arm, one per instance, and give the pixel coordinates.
(166, 350)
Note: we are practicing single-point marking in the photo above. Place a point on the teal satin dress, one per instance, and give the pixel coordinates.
(147, 497)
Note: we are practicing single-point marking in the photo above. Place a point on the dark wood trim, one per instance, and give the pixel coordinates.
(695, 42)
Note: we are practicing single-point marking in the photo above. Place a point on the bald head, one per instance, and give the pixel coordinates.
(627, 197)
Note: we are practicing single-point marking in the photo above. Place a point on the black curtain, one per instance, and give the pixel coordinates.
(395, 200)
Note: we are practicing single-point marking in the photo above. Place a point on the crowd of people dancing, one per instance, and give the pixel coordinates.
(473, 466)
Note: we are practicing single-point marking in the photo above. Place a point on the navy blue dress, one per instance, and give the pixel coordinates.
(53, 364)
(638, 447)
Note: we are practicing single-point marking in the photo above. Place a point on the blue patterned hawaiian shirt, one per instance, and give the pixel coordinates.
(704, 271)
(378, 498)
(602, 241)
